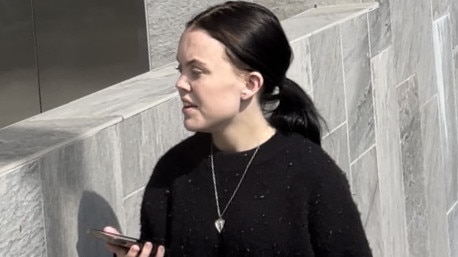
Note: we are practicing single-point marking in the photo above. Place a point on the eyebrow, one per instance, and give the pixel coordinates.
(193, 61)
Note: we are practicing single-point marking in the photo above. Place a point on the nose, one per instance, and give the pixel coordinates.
(182, 83)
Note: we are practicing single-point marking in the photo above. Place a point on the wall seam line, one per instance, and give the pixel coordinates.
(345, 105)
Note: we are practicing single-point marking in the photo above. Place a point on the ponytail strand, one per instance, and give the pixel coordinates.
(296, 112)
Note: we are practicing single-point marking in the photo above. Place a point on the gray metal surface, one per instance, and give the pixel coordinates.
(81, 46)
(18, 77)
(87, 45)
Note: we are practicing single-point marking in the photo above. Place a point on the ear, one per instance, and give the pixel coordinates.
(254, 81)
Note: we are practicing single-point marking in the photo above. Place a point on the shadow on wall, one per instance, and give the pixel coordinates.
(94, 212)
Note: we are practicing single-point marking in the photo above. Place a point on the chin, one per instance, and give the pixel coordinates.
(190, 126)
(193, 127)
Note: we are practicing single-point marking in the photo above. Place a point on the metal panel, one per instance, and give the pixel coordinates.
(19, 97)
(86, 45)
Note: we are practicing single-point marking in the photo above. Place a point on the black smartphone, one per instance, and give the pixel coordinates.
(120, 240)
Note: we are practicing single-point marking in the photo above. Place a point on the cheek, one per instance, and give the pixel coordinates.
(217, 95)
(214, 110)
(223, 105)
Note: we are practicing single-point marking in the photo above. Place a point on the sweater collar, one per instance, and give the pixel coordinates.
(267, 150)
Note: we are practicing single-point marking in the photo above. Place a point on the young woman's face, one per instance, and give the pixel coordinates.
(210, 86)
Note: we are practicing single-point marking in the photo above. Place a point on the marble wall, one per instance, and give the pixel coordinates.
(383, 75)
(21, 208)
(420, 60)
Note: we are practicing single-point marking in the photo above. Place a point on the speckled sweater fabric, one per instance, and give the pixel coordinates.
(294, 201)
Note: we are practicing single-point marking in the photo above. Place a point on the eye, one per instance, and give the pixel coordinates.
(196, 72)
(178, 68)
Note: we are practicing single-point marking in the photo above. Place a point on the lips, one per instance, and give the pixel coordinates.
(186, 101)
(188, 105)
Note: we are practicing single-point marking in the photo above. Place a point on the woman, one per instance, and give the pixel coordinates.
(253, 180)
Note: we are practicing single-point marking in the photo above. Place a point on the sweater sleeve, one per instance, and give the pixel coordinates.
(334, 221)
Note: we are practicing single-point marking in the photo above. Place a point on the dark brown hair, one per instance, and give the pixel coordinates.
(255, 41)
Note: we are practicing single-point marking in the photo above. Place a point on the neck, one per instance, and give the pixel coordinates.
(244, 136)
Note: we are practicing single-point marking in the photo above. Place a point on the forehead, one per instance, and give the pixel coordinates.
(198, 44)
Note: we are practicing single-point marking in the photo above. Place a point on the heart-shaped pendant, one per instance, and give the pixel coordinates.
(219, 224)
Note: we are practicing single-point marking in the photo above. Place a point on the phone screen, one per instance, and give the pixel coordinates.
(115, 239)
(120, 240)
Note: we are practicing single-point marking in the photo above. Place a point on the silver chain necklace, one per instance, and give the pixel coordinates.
(219, 223)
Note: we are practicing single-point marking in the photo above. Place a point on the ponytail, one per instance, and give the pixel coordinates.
(296, 112)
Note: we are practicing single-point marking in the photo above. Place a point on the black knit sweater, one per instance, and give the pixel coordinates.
(294, 201)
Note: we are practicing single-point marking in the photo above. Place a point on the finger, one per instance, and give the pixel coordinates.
(160, 251)
(110, 230)
(133, 251)
(119, 251)
(146, 251)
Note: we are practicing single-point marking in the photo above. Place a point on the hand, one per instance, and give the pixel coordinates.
(134, 250)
